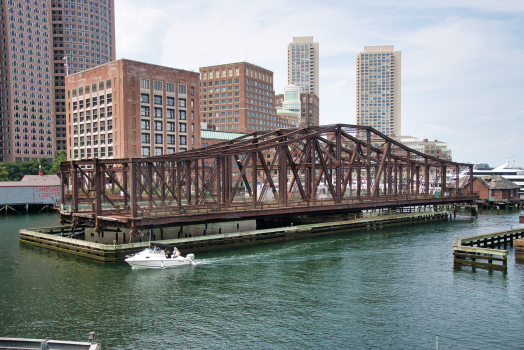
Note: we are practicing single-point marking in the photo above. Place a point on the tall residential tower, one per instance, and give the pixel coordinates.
(302, 64)
(26, 98)
(84, 33)
(379, 89)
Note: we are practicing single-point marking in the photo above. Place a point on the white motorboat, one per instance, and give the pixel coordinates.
(150, 259)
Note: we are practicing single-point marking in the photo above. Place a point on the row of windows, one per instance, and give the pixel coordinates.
(170, 126)
(170, 101)
(101, 100)
(92, 88)
(34, 151)
(171, 139)
(217, 82)
(95, 153)
(158, 151)
(170, 113)
(170, 87)
(100, 112)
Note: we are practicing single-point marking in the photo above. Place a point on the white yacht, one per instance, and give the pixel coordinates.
(152, 259)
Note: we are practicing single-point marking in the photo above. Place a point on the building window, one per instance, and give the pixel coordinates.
(158, 112)
(158, 126)
(144, 98)
(170, 101)
(182, 102)
(144, 111)
(182, 89)
(171, 139)
(144, 125)
(158, 139)
(182, 127)
(157, 85)
(146, 151)
(144, 84)
(182, 115)
(171, 126)
(157, 100)
(146, 138)
(170, 113)
(159, 151)
(183, 139)
(170, 87)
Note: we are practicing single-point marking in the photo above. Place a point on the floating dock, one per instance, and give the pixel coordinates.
(470, 250)
(52, 237)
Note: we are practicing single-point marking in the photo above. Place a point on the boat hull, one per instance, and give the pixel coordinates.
(150, 260)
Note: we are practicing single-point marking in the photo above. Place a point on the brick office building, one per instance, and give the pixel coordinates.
(84, 32)
(126, 109)
(239, 97)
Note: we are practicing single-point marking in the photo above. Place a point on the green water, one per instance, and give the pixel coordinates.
(393, 288)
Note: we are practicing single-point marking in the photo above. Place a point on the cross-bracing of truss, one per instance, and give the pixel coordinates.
(285, 168)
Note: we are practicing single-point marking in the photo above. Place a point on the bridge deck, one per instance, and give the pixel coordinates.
(158, 217)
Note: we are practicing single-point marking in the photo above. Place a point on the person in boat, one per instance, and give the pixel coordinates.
(155, 249)
(176, 253)
(168, 254)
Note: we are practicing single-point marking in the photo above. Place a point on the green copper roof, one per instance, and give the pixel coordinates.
(219, 135)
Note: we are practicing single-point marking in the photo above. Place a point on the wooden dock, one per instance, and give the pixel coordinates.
(469, 250)
(51, 237)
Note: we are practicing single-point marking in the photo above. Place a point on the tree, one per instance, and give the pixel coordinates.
(4, 175)
(60, 157)
(46, 166)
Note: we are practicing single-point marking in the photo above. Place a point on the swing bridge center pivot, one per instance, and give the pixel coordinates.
(308, 171)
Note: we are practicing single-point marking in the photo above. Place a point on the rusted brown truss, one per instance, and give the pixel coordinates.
(289, 169)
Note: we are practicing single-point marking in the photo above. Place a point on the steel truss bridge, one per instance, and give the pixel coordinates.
(313, 170)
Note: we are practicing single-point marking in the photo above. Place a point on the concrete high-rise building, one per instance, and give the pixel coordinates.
(302, 64)
(26, 96)
(379, 89)
(129, 109)
(239, 97)
(83, 33)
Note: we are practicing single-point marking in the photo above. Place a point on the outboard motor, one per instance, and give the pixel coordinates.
(190, 257)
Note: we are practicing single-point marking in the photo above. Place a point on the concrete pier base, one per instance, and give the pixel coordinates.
(48, 237)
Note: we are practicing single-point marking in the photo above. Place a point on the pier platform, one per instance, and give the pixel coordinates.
(52, 237)
(38, 344)
(469, 250)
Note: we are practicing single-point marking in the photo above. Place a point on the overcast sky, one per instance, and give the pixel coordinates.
(462, 60)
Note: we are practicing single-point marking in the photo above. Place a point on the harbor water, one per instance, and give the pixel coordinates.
(393, 288)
